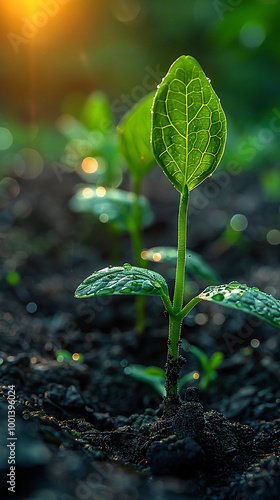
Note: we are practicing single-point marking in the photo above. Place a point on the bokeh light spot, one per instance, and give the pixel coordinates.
(100, 191)
(252, 34)
(31, 307)
(255, 343)
(145, 255)
(76, 356)
(103, 218)
(6, 139)
(273, 237)
(201, 319)
(29, 164)
(196, 375)
(125, 10)
(87, 193)
(13, 278)
(9, 188)
(239, 222)
(89, 165)
(157, 257)
(218, 319)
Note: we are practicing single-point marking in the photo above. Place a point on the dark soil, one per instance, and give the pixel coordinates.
(87, 430)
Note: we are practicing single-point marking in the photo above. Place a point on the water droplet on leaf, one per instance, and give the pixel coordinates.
(218, 296)
(127, 266)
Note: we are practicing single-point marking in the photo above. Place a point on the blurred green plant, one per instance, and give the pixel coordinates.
(188, 139)
(63, 355)
(156, 377)
(93, 148)
(122, 210)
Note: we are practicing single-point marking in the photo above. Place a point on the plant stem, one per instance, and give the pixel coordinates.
(188, 307)
(135, 230)
(181, 258)
(173, 365)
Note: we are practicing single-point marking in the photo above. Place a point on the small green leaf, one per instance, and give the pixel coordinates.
(201, 356)
(115, 207)
(151, 375)
(184, 380)
(188, 126)
(155, 370)
(216, 360)
(243, 298)
(135, 138)
(125, 280)
(195, 264)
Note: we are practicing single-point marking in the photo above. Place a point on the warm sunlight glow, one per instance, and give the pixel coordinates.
(25, 7)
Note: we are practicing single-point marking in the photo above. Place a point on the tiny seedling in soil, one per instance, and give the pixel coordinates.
(188, 140)
(156, 377)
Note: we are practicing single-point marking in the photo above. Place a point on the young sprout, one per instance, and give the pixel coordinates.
(122, 210)
(188, 140)
(156, 377)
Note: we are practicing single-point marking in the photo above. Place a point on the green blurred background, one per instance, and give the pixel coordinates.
(54, 53)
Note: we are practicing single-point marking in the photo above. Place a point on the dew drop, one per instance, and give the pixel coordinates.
(125, 290)
(238, 304)
(255, 289)
(218, 296)
(127, 266)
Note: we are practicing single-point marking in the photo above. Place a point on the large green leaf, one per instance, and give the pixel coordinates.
(115, 207)
(243, 298)
(188, 126)
(125, 280)
(195, 264)
(135, 138)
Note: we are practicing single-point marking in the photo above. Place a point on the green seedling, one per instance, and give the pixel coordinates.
(156, 377)
(188, 139)
(122, 210)
(208, 366)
